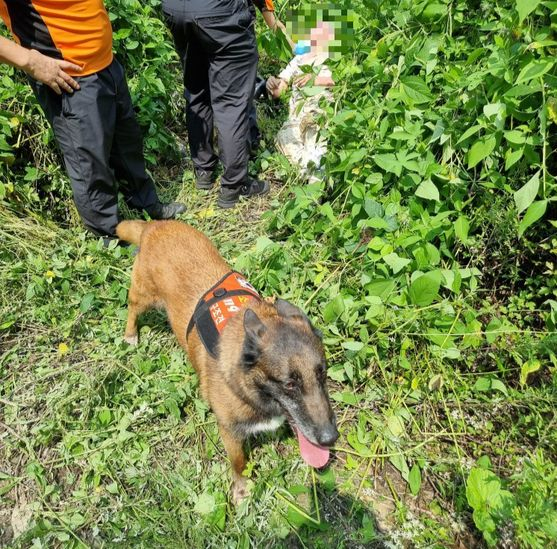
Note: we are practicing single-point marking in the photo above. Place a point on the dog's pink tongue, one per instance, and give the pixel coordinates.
(313, 455)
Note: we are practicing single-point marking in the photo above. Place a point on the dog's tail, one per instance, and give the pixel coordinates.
(131, 231)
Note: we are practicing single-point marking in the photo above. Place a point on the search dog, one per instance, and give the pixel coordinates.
(259, 363)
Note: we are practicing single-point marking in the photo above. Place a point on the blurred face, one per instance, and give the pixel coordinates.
(321, 35)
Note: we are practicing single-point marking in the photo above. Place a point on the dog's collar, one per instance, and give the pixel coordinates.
(217, 306)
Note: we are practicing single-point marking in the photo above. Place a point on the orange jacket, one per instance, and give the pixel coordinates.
(264, 5)
(75, 30)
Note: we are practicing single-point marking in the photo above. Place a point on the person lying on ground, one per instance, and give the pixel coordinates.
(267, 9)
(299, 138)
(67, 53)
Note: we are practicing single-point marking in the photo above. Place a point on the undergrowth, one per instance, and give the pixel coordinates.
(427, 256)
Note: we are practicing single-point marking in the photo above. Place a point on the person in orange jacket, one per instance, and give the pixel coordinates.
(83, 92)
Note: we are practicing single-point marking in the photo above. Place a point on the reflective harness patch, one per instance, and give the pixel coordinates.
(217, 306)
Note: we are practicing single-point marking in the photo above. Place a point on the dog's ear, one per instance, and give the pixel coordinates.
(254, 330)
(287, 310)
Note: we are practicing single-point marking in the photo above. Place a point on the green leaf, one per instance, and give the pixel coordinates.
(435, 383)
(353, 345)
(468, 133)
(400, 463)
(512, 157)
(395, 262)
(481, 149)
(205, 504)
(428, 190)
(482, 384)
(415, 479)
(528, 368)
(482, 486)
(389, 163)
(525, 8)
(526, 194)
(415, 90)
(86, 302)
(423, 290)
(461, 228)
(333, 309)
(395, 425)
(498, 385)
(534, 69)
(533, 213)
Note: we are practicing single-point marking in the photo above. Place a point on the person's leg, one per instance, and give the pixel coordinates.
(195, 64)
(126, 155)
(232, 53)
(199, 114)
(83, 123)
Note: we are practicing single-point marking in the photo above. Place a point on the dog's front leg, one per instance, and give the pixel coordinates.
(234, 448)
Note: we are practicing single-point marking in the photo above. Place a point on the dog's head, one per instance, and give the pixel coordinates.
(285, 357)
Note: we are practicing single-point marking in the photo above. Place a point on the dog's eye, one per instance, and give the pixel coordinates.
(290, 385)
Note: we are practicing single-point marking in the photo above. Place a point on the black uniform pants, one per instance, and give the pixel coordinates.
(101, 142)
(216, 43)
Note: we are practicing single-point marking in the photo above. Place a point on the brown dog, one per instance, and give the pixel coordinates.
(266, 364)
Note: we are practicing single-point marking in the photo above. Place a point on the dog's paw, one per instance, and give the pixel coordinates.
(239, 491)
(131, 340)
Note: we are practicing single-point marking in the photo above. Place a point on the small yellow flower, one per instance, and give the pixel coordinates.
(50, 275)
(63, 349)
(206, 213)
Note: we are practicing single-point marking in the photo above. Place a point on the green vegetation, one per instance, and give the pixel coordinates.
(427, 256)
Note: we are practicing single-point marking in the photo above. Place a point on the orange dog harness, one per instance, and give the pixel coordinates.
(217, 306)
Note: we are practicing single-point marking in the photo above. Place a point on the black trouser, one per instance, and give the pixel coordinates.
(216, 43)
(101, 142)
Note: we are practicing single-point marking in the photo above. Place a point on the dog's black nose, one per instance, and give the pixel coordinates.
(328, 436)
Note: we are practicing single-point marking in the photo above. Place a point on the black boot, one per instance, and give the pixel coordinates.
(167, 210)
(228, 198)
(204, 179)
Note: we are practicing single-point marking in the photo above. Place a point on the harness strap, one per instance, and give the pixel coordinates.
(217, 306)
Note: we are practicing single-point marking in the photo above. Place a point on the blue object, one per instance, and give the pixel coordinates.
(303, 46)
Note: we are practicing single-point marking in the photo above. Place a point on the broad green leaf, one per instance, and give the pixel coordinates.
(415, 479)
(482, 384)
(428, 190)
(533, 213)
(389, 163)
(480, 149)
(333, 309)
(395, 425)
(468, 133)
(498, 385)
(86, 302)
(534, 69)
(482, 487)
(423, 290)
(205, 504)
(512, 157)
(525, 8)
(415, 90)
(382, 288)
(528, 368)
(515, 136)
(461, 228)
(395, 262)
(400, 463)
(353, 345)
(526, 194)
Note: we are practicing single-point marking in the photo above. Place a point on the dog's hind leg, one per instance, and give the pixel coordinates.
(139, 300)
(235, 451)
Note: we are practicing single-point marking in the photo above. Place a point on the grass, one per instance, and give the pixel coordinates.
(106, 445)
